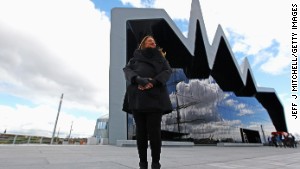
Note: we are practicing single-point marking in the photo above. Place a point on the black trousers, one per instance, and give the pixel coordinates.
(148, 125)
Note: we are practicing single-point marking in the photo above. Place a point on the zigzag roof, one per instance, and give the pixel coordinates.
(194, 54)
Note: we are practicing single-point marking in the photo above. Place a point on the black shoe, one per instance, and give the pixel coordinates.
(143, 165)
(155, 166)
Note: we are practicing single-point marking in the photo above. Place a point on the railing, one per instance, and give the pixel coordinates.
(26, 139)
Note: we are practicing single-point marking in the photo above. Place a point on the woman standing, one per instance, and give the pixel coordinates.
(147, 97)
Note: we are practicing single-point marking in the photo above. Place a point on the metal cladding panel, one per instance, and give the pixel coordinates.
(225, 71)
(272, 104)
(249, 89)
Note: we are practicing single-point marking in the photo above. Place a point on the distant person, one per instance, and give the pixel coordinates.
(270, 140)
(147, 97)
(279, 140)
(294, 142)
(274, 140)
(289, 140)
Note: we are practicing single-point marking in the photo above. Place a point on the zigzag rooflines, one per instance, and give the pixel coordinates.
(233, 77)
(244, 69)
(211, 50)
(266, 96)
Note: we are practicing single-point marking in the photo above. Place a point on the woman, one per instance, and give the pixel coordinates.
(147, 97)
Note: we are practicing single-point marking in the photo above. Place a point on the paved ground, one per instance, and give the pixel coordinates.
(112, 157)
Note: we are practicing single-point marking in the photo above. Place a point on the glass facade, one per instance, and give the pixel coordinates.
(205, 114)
(101, 128)
(102, 125)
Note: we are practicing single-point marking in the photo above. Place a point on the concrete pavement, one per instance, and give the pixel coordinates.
(113, 157)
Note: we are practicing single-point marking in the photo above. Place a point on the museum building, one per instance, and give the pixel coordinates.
(214, 98)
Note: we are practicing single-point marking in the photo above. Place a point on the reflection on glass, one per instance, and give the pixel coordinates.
(102, 125)
(204, 114)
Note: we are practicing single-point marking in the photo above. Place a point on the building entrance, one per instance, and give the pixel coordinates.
(250, 136)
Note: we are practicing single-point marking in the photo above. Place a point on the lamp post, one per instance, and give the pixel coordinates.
(53, 134)
(70, 130)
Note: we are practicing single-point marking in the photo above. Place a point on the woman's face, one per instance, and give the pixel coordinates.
(150, 43)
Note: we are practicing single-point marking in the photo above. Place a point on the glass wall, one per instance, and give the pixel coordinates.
(203, 113)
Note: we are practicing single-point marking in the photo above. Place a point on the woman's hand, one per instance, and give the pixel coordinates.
(146, 87)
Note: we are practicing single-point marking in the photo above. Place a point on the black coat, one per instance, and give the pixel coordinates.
(147, 63)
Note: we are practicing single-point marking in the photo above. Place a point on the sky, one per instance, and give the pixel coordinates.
(50, 47)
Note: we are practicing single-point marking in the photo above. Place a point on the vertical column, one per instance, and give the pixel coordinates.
(117, 119)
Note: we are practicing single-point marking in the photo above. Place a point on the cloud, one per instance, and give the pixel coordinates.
(242, 108)
(137, 3)
(57, 52)
(26, 123)
(169, 6)
(179, 10)
(278, 64)
(230, 102)
(244, 112)
(198, 99)
(53, 47)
